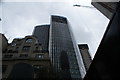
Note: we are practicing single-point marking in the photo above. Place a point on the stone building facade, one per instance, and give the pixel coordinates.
(26, 58)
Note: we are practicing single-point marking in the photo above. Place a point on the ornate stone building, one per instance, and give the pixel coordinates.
(25, 59)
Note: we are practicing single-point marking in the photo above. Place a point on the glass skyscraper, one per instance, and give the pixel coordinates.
(42, 33)
(58, 40)
(61, 49)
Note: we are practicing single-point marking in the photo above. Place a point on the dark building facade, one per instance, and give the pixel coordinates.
(84, 50)
(61, 44)
(42, 33)
(3, 42)
(3, 46)
(106, 8)
(25, 60)
(105, 65)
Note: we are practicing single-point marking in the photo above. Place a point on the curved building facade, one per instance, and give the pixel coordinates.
(60, 42)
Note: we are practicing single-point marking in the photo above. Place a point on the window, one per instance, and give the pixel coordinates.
(39, 56)
(40, 44)
(23, 55)
(17, 48)
(10, 51)
(4, 67)
(4, 51)
(36, 48)
(8, 56)
(13, 44)
(37, 67)
(26, 48)
(29, 40)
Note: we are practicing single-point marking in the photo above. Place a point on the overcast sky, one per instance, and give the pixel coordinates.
(20, 18)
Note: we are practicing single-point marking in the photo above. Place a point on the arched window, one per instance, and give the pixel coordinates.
(29, 40)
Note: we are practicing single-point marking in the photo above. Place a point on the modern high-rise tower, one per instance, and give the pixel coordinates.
(42, 33)
(84, 50)
(62, 50)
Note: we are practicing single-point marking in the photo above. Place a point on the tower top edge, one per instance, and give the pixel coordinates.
(58, 16)
(46, 25)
